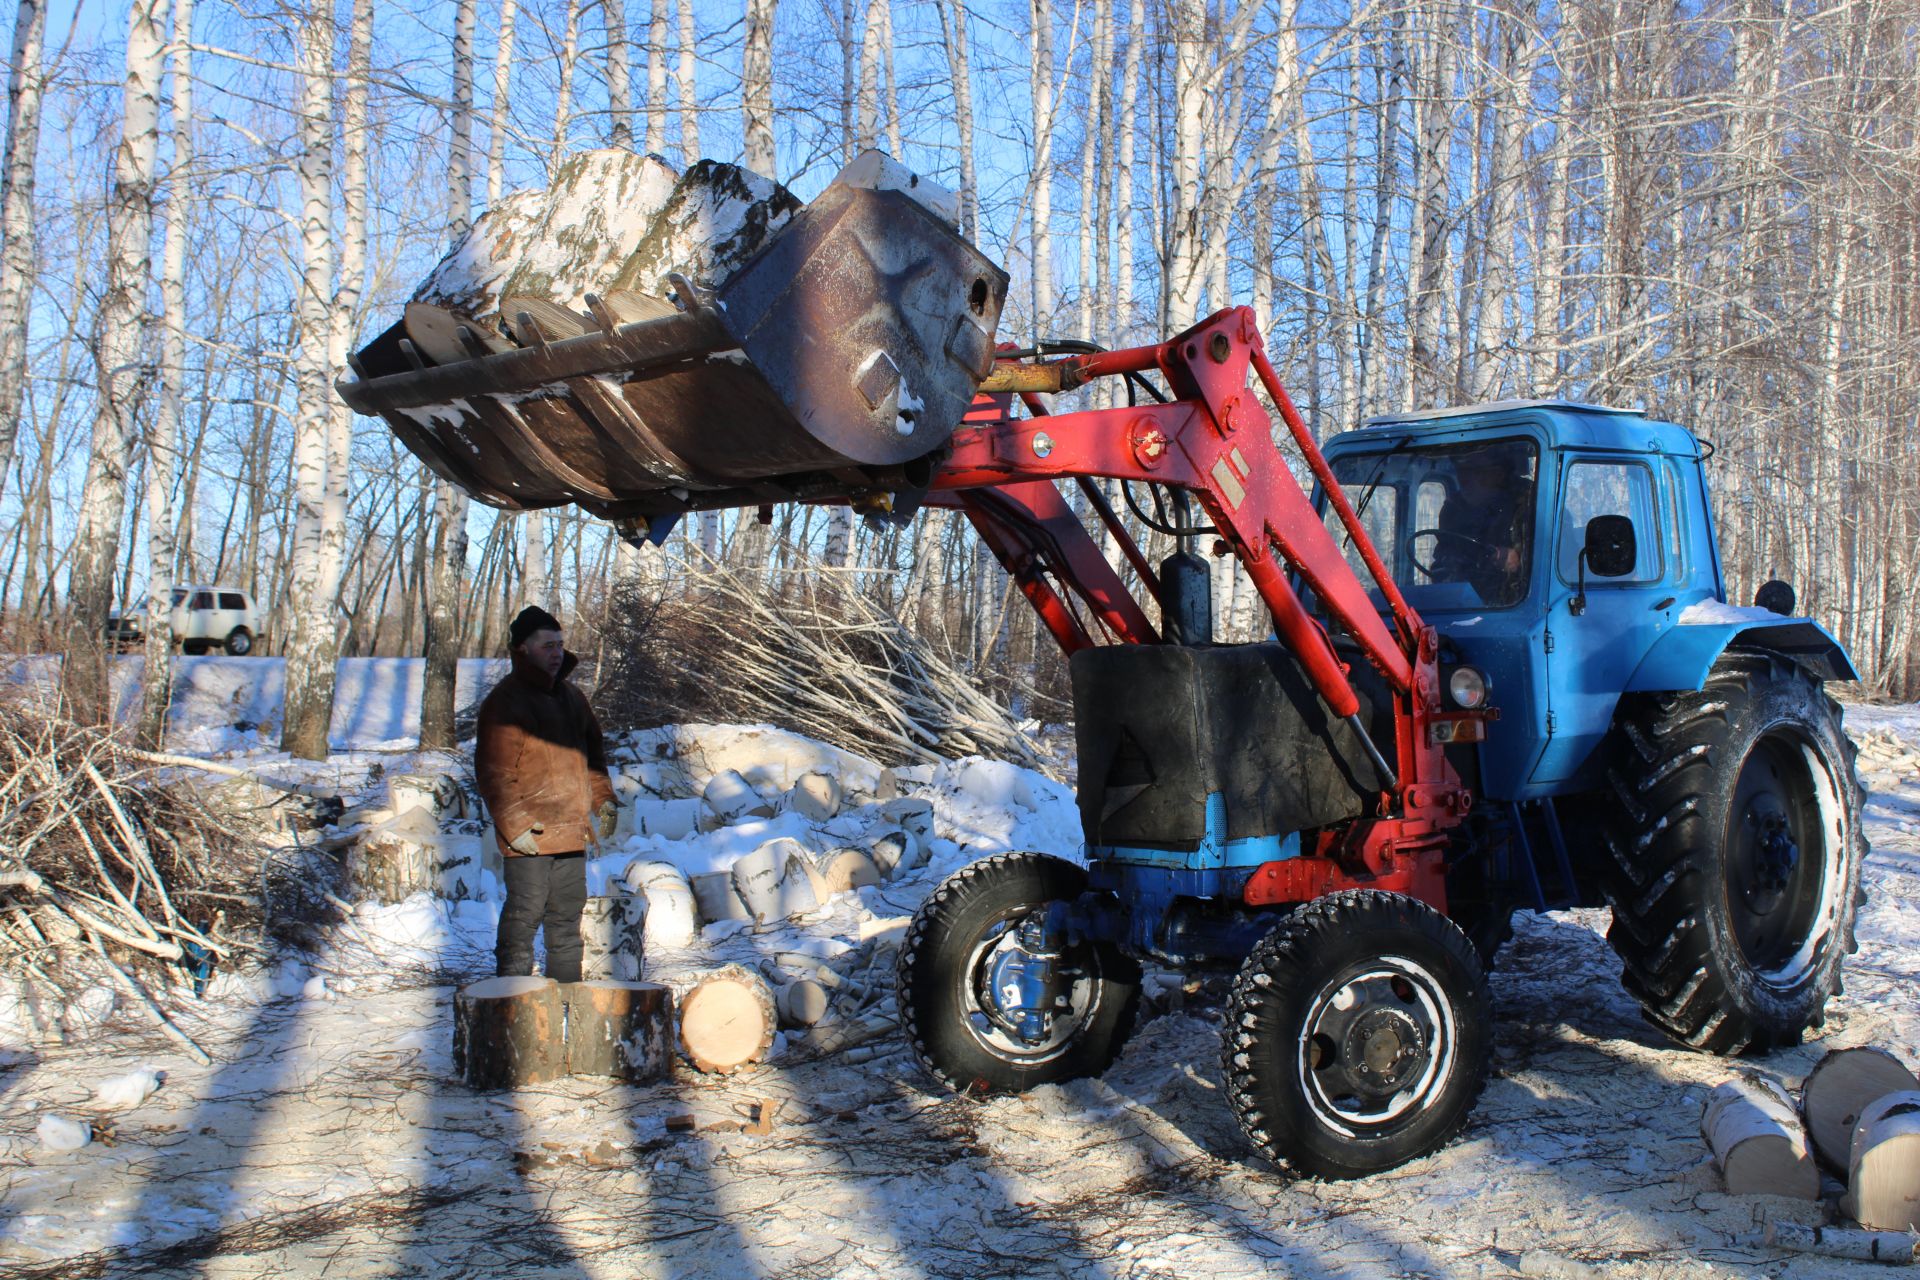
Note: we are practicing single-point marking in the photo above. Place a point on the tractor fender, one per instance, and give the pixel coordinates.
(1683, 655)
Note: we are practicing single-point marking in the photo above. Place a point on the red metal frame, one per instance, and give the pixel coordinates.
(1215, 440)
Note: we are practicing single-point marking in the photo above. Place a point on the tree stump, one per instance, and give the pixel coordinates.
(1838, 1090)
(1883, 1172)
(623, 1030)
(508, 1032)
(727, 1019)
(1757, 1141)
(409, 854)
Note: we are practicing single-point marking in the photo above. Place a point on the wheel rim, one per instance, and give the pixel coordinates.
(990, 1009)
(240, 644)
(1782, 872)
(1377, 1045)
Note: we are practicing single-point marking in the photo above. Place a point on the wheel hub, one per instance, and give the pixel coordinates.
(1384, 1049)
(1775, 855)
(1025, 986)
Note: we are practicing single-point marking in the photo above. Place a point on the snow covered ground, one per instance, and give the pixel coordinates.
(328, 1138)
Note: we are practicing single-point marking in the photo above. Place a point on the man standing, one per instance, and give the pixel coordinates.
(542, 770)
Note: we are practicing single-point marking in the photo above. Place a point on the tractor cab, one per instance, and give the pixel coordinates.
(1552, 545)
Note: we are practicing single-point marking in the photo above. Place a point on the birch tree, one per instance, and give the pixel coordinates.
(25, 84)
(96, 541)
(619, 72)
(685, 86)
(756, 88)
(499, 114)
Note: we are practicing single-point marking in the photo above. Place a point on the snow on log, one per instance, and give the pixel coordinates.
(1840, 1242)
(845, 869)
(508, 1032)
(910, 813)
(409, 854)
(1883, 1170)
(563, 243)
(1839, 1088)
(613, 932)
(437, 793)
(1754, 1132)
(727, 1019)
(668, 917)
(622, 1030)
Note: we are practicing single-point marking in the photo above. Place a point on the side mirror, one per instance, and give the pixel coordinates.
(1611, 550)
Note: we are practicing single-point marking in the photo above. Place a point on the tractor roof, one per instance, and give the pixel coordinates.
(1497, 406)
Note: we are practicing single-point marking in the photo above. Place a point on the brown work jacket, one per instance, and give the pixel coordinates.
(539, 758)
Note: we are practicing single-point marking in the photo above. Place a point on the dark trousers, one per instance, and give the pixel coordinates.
(549, 889)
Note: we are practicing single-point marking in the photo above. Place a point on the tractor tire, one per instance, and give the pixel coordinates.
(948, 1005)
(1339, 982)
(1733, 855)
(239, 642)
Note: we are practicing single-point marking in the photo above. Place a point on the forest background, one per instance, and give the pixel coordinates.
(1706, 208)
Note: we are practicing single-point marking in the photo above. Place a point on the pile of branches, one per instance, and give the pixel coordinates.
(103, 860)
(814, 655)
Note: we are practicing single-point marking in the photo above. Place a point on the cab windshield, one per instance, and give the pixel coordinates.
(1453, 523)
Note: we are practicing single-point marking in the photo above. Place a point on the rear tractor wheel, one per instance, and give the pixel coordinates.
(1734, 855)
(1358, 1035)
(990, 1001)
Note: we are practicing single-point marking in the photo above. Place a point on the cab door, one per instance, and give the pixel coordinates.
(1591, 652)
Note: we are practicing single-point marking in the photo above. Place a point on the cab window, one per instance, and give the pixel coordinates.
(201, 600)
(1609, 489)
(232, 600)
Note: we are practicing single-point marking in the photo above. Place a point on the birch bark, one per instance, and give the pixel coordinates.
(689, 102)
(613, 14)
(497, 120)
(156, 683)
(1040, 89)
(120, 322)
(311, 646)
(657, 78)
(563, 100)
(953, 31)
(756, 88)
(26, 80)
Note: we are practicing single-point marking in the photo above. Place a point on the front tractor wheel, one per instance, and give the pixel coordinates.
(991, 1000)
(1358, 1035)
(1734, 855)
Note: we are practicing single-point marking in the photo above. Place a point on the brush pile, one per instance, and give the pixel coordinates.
(811, 654)
(108, 870)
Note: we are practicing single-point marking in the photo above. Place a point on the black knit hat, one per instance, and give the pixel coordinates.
(532, 618)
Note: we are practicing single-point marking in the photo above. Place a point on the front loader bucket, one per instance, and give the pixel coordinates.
(828, 365)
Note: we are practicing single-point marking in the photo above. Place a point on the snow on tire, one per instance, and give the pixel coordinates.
(948, 1003)
(1734, 851)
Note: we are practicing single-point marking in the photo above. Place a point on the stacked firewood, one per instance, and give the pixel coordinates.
(107, 871)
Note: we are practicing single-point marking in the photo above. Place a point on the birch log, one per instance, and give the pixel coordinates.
(669, 918)
(1838, 1090)
(1757, 1141)
(508, 1032)
(727, 1019)
(1883, 1170)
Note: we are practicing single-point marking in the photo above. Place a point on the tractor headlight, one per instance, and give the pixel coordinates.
(1468, 687)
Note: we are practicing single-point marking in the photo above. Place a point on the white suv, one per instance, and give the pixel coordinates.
(202, 617)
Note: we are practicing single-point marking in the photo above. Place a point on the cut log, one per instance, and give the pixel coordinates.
(1754, 1132)
(837, 1037)
(815, 797)
(508, 1032)
(777, 880)
(613, 934)
(437, 793)
(727, 1019)
(623, 1030)
(896, 853)
(910, 813)
(1839, 1088)
(731, 797)
(409, 854)
(845, 869)
(668, 916)
(1841, 1242)
(803, 1003)
(1883, 1171)
(716, 898)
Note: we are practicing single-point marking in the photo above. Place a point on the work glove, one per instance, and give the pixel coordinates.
(609, 819)
(527, 841)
